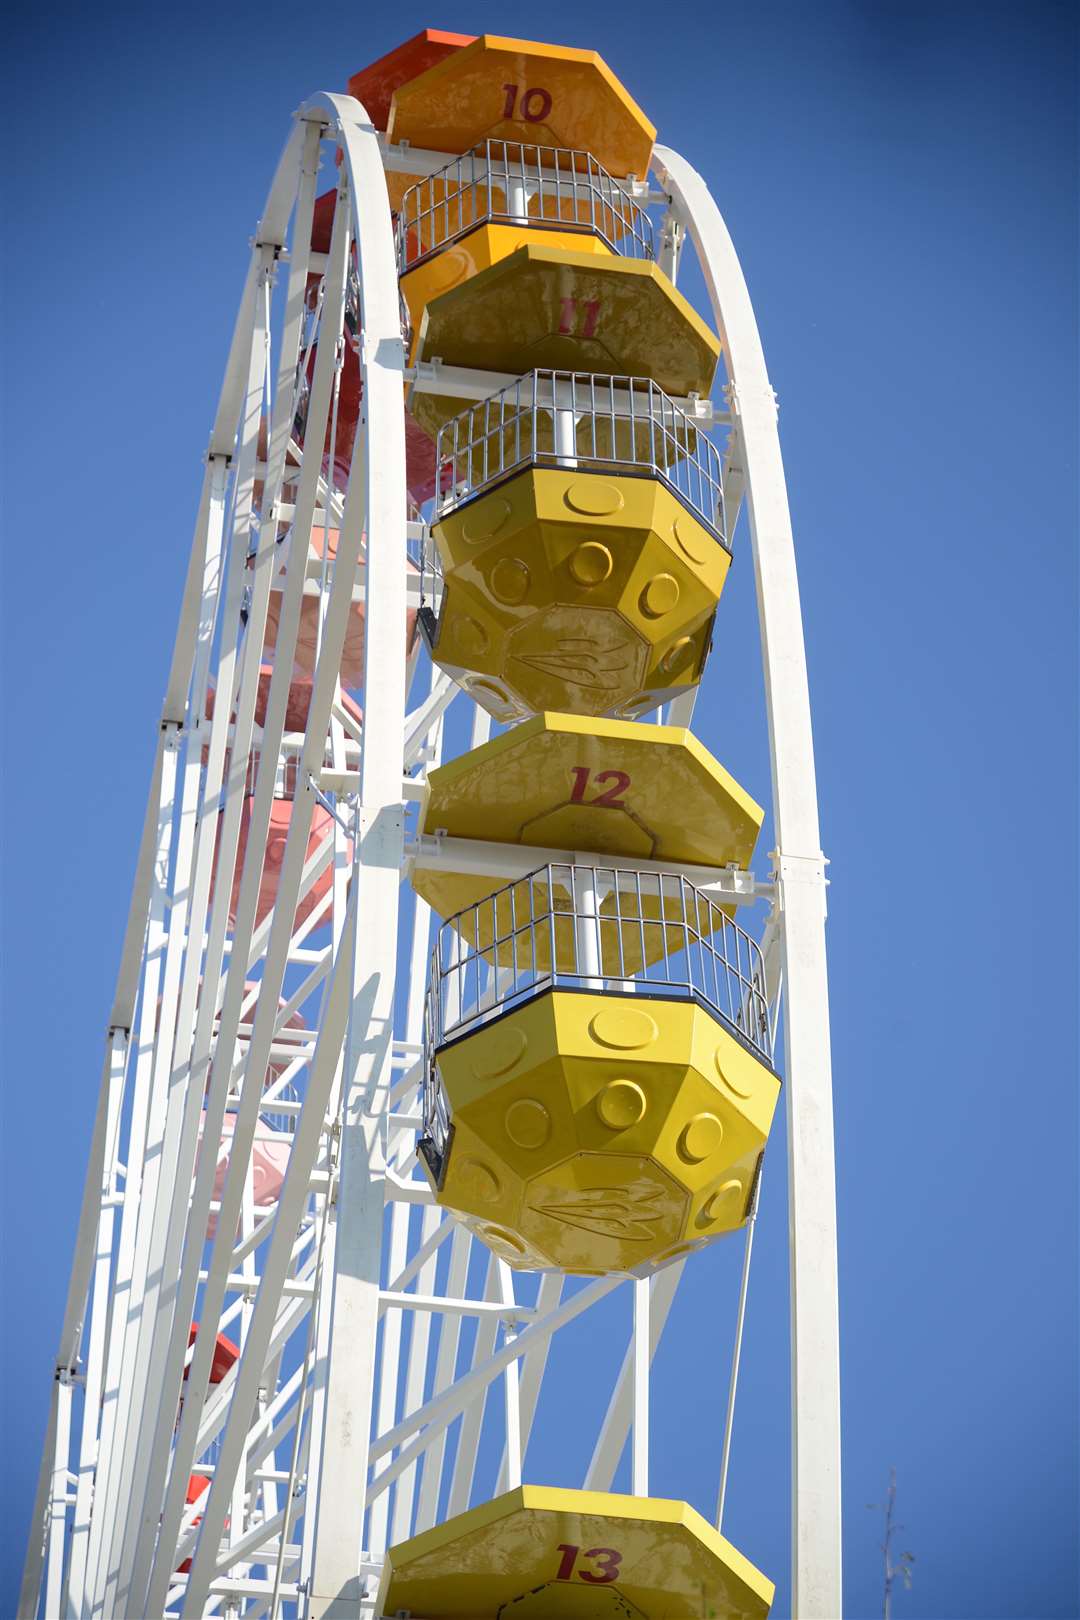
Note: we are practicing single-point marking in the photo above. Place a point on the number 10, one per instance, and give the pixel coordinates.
(535, 103)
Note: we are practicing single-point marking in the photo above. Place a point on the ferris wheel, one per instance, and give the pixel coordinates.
(414, 1060)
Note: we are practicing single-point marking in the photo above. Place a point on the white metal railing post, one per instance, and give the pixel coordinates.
(566, 437)
(517, 198)
(586, 926)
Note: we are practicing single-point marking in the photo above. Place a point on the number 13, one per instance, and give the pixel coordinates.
(607, 1560)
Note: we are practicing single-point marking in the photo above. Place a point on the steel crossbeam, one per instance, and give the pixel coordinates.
(430, 852)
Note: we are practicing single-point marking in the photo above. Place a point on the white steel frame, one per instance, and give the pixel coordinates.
(349, 1310)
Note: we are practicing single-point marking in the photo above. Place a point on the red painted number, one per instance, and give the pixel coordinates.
(568, 324)
(611, 798)
(535, 103)
(606, 1559)
(569, 1558)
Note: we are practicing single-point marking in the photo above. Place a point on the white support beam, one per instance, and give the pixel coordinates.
(532, 1368)
(473, 1405)
(274, 1284)
(420, 723)
(619, 1415)
(278, 925)
(438, 1413)
(376, 504)
(445, 1365)
(58, 1499)
(800, 878)
(641, 1350)
(127, 1285)
(34, 1563)
(727, 885)
(511, 1382)
(434, 1237)
(168, 1090)
(501, 1311)
(76, 1597)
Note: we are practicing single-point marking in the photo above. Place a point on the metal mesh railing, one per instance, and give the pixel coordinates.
(510, 183)
(598, 928)
(585, 420)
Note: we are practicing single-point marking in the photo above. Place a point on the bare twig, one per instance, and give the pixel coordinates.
(900, 1568)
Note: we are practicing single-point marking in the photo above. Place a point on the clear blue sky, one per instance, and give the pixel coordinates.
(900, 180)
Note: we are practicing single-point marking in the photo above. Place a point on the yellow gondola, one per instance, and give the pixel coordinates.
(568, 310)
(518, 90)
(539, 1552)
(611, 788)
(595, 1133)
(582, 589)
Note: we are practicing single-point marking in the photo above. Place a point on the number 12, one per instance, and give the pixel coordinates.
(611, 798)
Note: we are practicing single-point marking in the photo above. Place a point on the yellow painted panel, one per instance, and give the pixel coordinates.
(695, 810)
(517, 90)
(615, 788)
(602, 1212)
(568, 310)
(743, 1082)
(585, 1138)
(484, 1190)
(693, 1064)
(575, 505)
(482, 247)
(588, 612)
(651, 1557)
